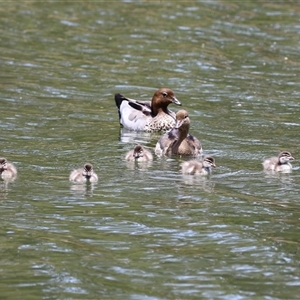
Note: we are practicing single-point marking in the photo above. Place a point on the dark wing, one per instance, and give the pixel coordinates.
(168, 140)
(143, 106)
(194, 142)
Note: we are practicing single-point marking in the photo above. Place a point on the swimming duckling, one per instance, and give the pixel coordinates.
(147, 115)
(85, 174)
(281, 163)
(139, 153)
(178, 140)
(7, 170)
(195, 167)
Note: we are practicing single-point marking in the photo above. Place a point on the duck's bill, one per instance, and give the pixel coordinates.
(176, 101)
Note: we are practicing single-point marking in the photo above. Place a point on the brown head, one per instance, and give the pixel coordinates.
(3, 164)
(182, 120)
(87, 170)
(161, 99)
(138, 151)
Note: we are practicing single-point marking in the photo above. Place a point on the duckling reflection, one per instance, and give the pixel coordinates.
(284, 179)
(82, 189)
(3, 189)
(200, 182)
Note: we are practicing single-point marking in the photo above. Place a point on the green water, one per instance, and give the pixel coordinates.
(149, 232)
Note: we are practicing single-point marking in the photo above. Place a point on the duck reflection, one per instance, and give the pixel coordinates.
(202, 182)
(284, 178)
(138, 165)
(127, 136)
(82, 189)
(3, 189)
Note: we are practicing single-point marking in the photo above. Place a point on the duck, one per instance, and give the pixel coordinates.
(150, 116)
(196, 167)
(85, 174)
(178, 140)
(7, 170)
(139, 153)
(280, 163)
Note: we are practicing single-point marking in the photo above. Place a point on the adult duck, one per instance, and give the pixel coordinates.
(148, 116)
(178, 140)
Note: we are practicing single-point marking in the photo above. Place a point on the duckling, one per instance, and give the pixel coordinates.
(281, 163)
(85, 174)
(148, 116)
(178, 140)
(7, 170)
(139, 153)
(195, 167)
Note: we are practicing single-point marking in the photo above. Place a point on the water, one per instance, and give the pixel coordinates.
(147, 232)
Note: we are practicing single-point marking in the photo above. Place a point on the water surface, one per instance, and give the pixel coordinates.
(147, 232)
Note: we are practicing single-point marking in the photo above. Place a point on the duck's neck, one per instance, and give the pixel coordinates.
(279, 163)
(207, 169)
(156, 110)
(182, 134)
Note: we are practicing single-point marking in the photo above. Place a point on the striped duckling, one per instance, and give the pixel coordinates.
(139, 153)
(7, 170)
(196, 167)
(280, 163)
(85, 174)
(148, 116)
(178, 140)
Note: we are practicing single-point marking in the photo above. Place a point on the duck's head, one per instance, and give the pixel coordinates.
(209, 162)
(138, 151)
(87, 170)
(285, 157)
(182, 120)
(162, 98)
(3, 164)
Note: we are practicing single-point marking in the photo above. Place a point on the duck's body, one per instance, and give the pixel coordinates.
(7, 170)
(85, 174)
(147, 115)
(195, 167)
(280, 163)
(178, 140)
(139, 153)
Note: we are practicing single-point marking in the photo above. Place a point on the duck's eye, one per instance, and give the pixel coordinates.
(164, 94)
